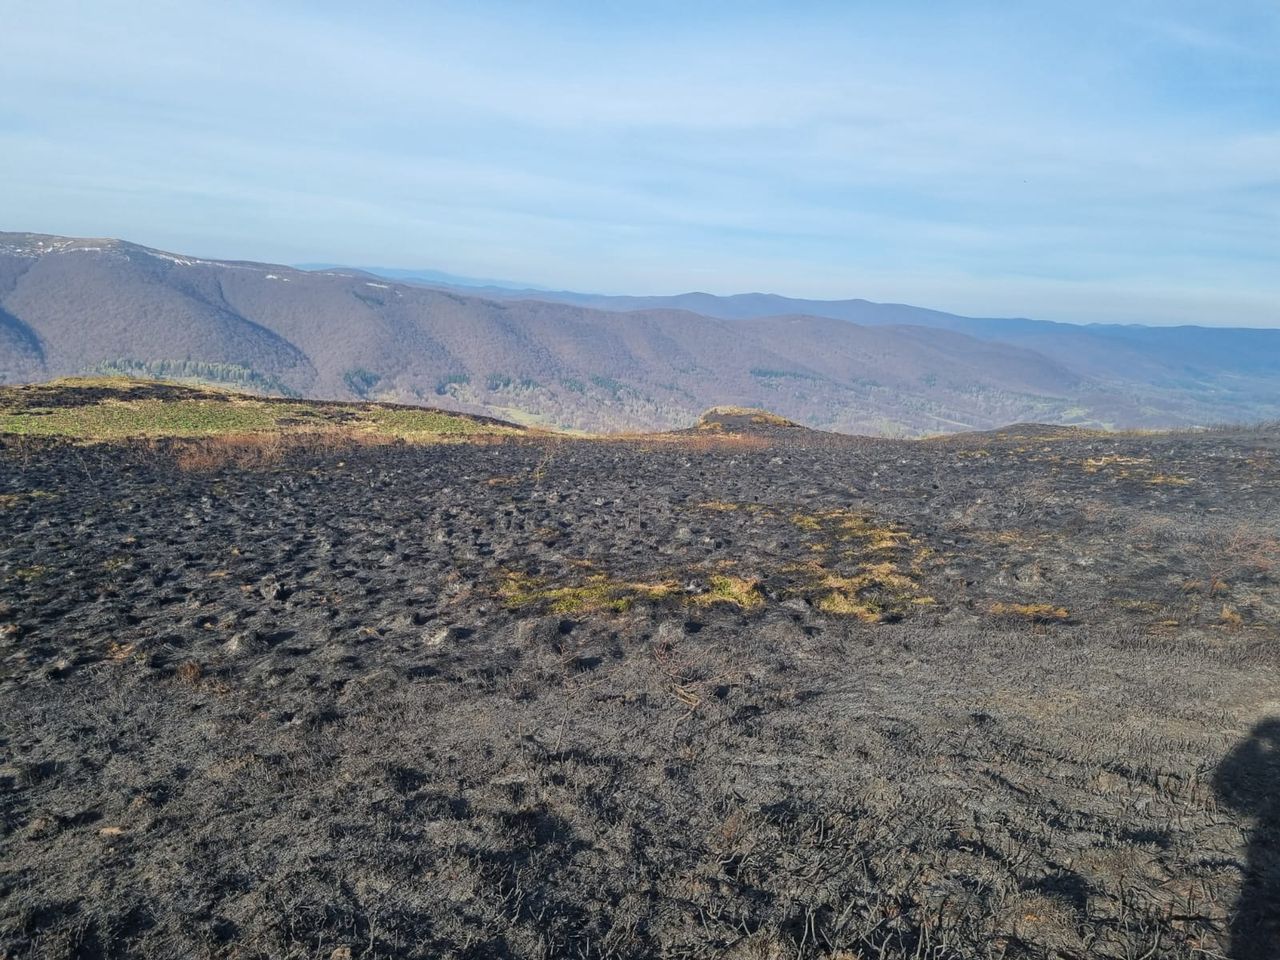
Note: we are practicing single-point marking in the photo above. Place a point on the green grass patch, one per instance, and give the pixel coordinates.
(115, 410)
(409, 424)
(114, 420)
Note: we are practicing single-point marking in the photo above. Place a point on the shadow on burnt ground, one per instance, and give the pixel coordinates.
(1248, 781)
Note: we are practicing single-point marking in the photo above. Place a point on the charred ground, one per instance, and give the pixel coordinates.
(744, 690)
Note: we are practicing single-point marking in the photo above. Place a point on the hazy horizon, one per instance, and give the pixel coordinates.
(1086, 163)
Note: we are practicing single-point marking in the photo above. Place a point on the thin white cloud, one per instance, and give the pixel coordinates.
(870, 153)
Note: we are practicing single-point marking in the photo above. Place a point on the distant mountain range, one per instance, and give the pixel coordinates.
(432, 278)
(74, 306)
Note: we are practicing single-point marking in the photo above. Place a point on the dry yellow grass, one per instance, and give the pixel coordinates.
(806, 521)
(850, 526)
(743, 592)
(844, 605)
(772, 420)
(8, 500)
(877, 592)
(597, 594)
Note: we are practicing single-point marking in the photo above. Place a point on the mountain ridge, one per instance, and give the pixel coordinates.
(73, 305)
(1041, 334)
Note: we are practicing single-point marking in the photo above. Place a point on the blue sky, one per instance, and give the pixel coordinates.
(1086, 161)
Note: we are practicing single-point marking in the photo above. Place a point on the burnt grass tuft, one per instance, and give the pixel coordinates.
(804, 696)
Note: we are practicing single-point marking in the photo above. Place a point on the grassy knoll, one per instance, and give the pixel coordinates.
(101, 409)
